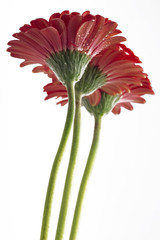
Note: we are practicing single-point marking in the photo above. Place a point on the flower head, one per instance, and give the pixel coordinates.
(66, 43)
(114, 68)
(100, 102)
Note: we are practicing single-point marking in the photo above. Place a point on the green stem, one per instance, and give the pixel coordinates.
(57, 161)
(85, 177)
(71, 166)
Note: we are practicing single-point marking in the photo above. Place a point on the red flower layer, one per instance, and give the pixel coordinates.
(86, 33)
(119, 64)
(126, 98)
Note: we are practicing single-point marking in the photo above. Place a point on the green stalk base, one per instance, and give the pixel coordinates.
(69, 177)
(85, 178)
(56, 164)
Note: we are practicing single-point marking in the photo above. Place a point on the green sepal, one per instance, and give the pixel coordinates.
(91, 80)
(104, 107)
(68, 65)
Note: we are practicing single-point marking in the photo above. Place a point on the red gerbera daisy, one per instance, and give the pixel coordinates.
(100, 103)
(66, 43)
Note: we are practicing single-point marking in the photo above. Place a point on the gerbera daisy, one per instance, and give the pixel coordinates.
(100, 102)
(66, 43)
(126, 85)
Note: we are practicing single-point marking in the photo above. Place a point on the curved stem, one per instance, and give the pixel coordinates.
(71, 166)
(85, 177)
(57, 161)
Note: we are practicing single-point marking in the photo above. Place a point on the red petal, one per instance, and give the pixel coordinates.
(63, 102)
(52, 36)
(66, 12)
(23, 47)
(25, 28)
(85, 13)
(30, 58)
(134, 98)
(37, 36)
(116, 109)
(39, 23)
(82, 33)
(75, 14)
(111, 89)
(45, 69)
(106, 30)
(114, 53)
(61, 28)
(99, 22)
(131, 53)
(73, 26)
(120, 66)
(88, 17)
(25, 38)
(142, 90)
(107, 43)
(55, 15)
(94, 98)
(66, 19)
(26, 54)
(38, 69)
(55, 88)
(115, 32)
(108, 57)
(127, 80)
(56, 94)
(27, 62)
(127, 106)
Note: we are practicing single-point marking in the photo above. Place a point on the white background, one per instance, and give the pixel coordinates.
(123, 196)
